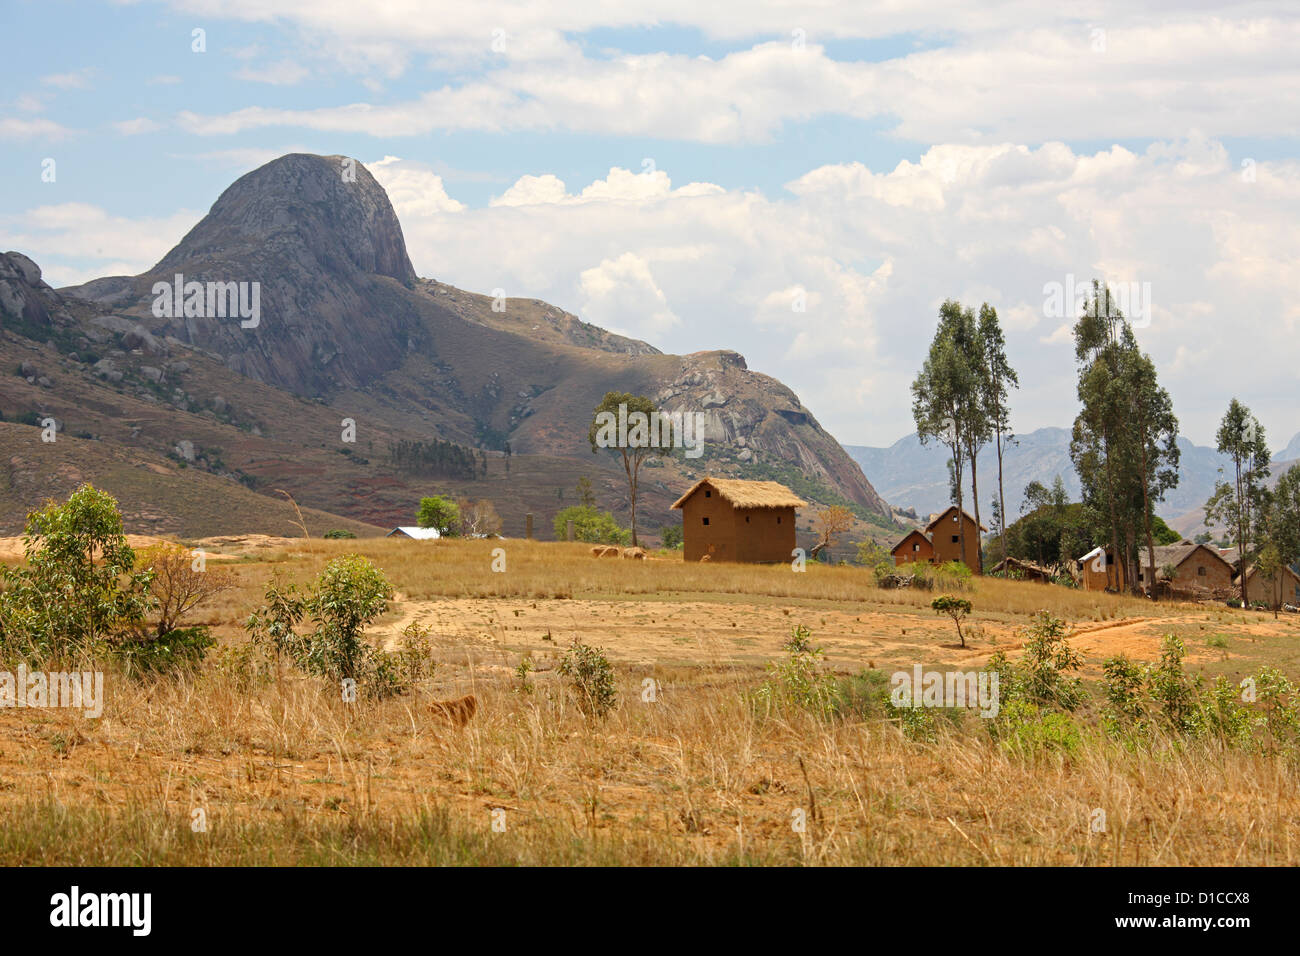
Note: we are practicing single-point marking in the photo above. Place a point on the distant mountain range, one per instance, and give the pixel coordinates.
(911, 475)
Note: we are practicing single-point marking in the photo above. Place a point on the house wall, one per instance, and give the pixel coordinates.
(947, 549)
(1217, 572)
(764, 534)
(905, 553)
(717, 538)
(1261, 588)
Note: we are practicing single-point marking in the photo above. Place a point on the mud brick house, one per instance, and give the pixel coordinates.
(945, 531)
(727, 519)
(1266, 588)
(941, 541)
(1020, 570)
(1099, 571)
(1195, 568)
(913, 549)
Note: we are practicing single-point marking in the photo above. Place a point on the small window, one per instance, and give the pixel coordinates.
(707, 493)
(746, 519)
(706, 520)
(956, 539)
(778, 519)
(954, 519)
(915, 546)
(1200, 571)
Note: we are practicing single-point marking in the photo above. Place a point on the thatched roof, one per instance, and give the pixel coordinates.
(747, 494)
(1176, 554)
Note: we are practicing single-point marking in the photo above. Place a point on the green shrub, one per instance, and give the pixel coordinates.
(177, 651)
(1046, 664)
(591, 677)
(338, 533)
(590, 525)
(79, 590)
(349, 594)
(801, 680)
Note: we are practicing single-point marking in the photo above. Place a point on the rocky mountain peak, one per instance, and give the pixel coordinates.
(329, 208)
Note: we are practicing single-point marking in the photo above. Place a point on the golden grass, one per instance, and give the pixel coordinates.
(289, 773)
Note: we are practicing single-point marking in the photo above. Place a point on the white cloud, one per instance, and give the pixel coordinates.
(134, 127)
(22, 129)
(413, 187)
(1036, 81)
(74, 242)
(75, 80)
(621, 295)
(280, 73)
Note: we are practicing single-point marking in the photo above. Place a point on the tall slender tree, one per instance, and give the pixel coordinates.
(1241, 438)
(999, 379)
(1125, 440)
(945, 384)
(1152, 428)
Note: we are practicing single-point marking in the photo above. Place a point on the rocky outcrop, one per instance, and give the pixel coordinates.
(23, 294)
(319, 238)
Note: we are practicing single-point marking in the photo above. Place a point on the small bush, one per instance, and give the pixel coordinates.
(338, 533)
(591, 677)
(801, 680)
(177, 651)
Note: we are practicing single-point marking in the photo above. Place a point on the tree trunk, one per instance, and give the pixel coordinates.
(1002, 502)
(1241, 537)
(975, 493)
(1146, 520)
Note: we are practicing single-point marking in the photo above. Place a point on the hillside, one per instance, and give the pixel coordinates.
(344, 330)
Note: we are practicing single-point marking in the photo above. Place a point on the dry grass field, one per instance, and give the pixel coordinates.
(704, 773)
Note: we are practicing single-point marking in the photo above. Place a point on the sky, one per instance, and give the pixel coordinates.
(804, 183)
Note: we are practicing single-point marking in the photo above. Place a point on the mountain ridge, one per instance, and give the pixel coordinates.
(349, 329)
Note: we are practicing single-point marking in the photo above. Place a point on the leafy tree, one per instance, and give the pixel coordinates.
(999, 378)
(586, 494)
(634, 451)
(590, 525)
(945, 391)
(829, 522)
(1241, 437)
(1278, 533)
(1124, 443)
(670, 535)
(441, 513)
(872, 555)
(956, 608)
(1053, 530)
(79, 590)
(347, 596)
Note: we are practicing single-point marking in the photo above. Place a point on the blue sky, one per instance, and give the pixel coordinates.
(870, 161)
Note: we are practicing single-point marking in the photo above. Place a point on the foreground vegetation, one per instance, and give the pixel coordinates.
(587, 748)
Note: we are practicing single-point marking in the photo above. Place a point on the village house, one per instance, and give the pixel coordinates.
(412, 531)
(913, 549)
(1195, 567)
(1266, 588)
(1099, 571)
(726, 519)
(941, 541)
(1020, 570)
(945, 531)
